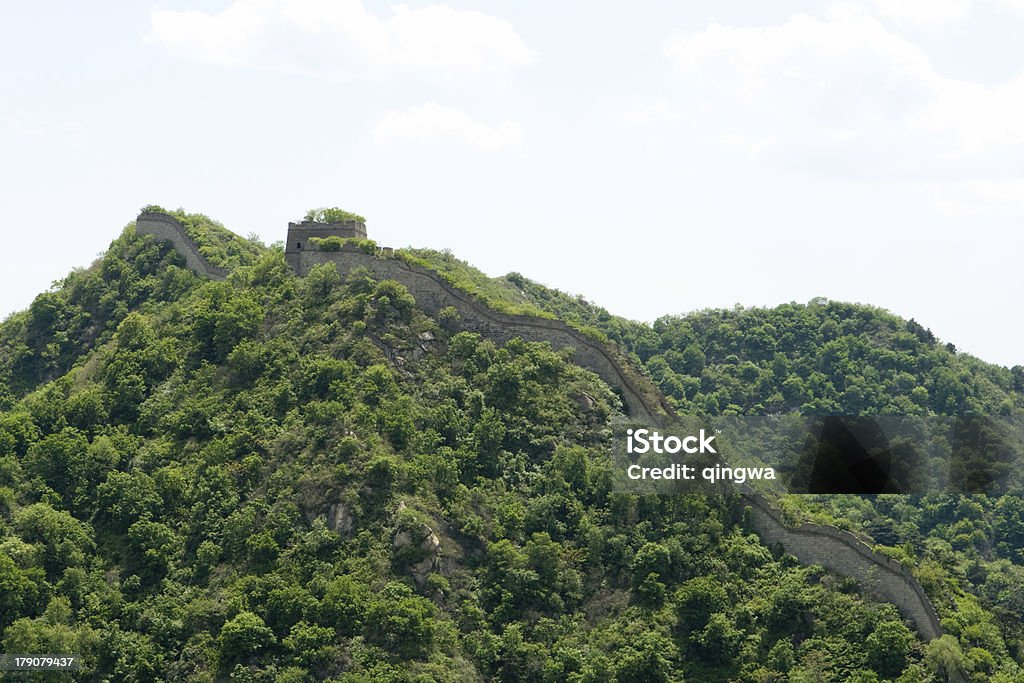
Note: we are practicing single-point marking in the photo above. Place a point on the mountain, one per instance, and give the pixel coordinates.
(274, 477)
(816, 358)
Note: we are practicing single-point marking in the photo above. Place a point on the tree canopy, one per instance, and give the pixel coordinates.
(282, 478)
(332, 215)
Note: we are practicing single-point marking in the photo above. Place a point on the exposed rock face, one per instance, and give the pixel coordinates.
(585, 402)
(340, 519)
(425, 339)
(428, 547)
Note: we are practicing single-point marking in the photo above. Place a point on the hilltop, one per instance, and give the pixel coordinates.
(293, 478)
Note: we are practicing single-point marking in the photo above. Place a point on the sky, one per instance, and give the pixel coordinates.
(654, 157)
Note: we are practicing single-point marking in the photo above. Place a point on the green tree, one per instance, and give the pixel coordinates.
(400, 622)
(887, 648)
(21, 590)
(344, 605)
(64, 540)
(332, 215)
(152, 547)
(944, 657)
(311, 645)
(243, 637)
(697, 600)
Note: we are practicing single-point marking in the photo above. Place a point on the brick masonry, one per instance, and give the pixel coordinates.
(301, 236)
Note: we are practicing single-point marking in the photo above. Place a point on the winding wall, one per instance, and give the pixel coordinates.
(165, 227)
(432, 293)
(840, 551)
(832, 548)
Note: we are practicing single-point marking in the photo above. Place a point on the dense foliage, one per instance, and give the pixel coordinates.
(820, 358)
(335, 243)
(497, 292)
(823, 357)
(332, 215)
(274, 478)
(82, 311)
(218, 245)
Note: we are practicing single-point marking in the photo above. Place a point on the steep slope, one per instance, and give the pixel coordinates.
(63, 325)
(294, 478)
(845, 358)
(823, 357)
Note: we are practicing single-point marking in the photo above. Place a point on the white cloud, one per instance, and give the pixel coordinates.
(806, 49)
(340, 36)
(332, 18)
(983, 118)
(845, 83)
(925, 12)
(659, 110)
(937, 13)
(439, 36)
(1016, 6)
(222, 38)
(977, 196)
(24, 126)
(432, 121)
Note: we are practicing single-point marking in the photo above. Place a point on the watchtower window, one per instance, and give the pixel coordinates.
(298, 245)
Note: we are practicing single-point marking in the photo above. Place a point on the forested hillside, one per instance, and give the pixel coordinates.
(284, 479)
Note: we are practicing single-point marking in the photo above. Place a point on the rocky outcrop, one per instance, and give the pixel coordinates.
(340, 519)
(424, 546)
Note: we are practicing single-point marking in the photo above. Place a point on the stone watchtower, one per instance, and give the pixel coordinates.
(301, 234)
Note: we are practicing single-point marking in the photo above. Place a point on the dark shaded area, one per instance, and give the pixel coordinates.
(850, 455)
(984, 451)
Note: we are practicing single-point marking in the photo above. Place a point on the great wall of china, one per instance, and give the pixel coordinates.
(165, 227)
(433, 294)
(880, 576)
(813, 544)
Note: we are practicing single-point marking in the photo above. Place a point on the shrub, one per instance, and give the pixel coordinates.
(332, 215)
(243, 637)
(335, 243)
(332, 243)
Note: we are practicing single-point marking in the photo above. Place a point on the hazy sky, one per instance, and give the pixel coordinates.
(655, 157)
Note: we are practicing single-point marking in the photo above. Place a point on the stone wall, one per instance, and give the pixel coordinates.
(844, 553)
(300, 235)
(432, 293)
(165, 227)
(836, 550)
